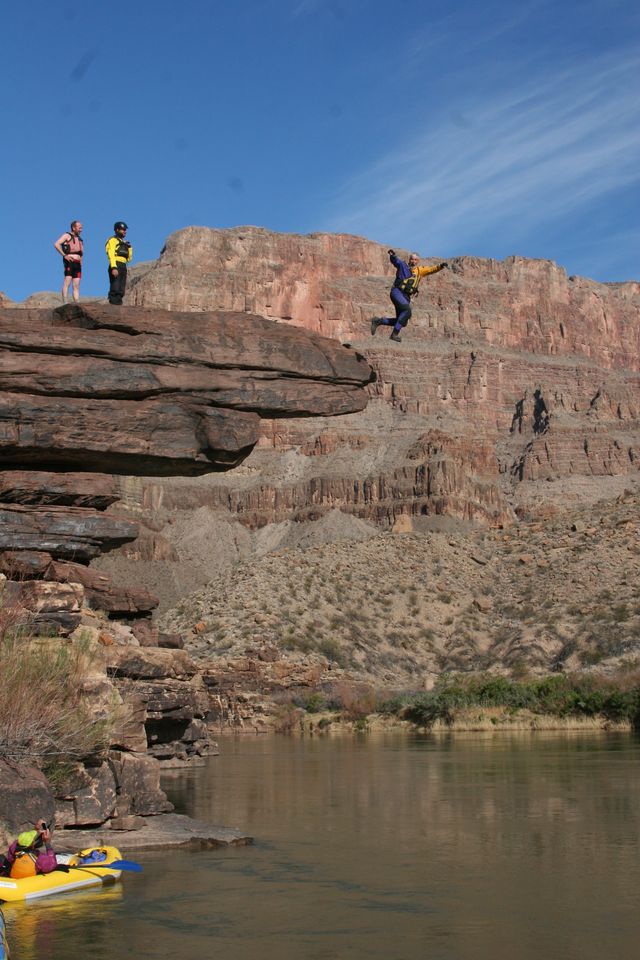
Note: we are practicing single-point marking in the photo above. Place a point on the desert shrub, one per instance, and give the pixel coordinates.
(296, 641)
(330, 648)
(287, 718)
(312, 702)
(44, 716)
(559, 695)
(354, 700)
(621, 613)
(426, 708)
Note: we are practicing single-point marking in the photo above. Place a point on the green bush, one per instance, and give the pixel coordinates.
(315, 703)
(558, 695)
(426, 708)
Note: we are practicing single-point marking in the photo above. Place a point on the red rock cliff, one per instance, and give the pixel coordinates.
(510, 373)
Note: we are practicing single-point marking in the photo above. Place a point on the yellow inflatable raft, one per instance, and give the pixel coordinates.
(74, 873)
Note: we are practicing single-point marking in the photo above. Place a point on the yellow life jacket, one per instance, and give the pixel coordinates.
(409, 285)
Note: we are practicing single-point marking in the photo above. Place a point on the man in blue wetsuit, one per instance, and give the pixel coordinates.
(405, 286)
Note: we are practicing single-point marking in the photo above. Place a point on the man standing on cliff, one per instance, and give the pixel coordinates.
(70, 247)
(119, 252)
(405, 286)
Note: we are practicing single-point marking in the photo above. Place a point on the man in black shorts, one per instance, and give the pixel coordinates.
(70, 247)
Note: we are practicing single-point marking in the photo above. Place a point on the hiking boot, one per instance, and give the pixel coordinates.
(395, 336)
(375, 323)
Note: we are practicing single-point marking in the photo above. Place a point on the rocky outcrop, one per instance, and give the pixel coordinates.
(147, 392)
(91, 388)
(25, 796)
(161, 832)
(87, 391)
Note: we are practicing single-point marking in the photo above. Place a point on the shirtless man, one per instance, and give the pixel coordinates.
(70, 247)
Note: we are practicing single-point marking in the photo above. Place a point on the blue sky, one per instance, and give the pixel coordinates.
(486, 129)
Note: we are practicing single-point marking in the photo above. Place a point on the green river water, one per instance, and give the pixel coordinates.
(469, 847)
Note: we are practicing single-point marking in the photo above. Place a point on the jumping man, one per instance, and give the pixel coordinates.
(405, 286)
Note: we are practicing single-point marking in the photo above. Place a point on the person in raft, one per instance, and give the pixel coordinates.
(70, 247)
(30, 854)
(119, 252)
(405, 286)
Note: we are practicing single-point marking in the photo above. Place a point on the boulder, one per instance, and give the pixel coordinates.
(137, 781)
(24, 564)
(89, 797)
(25, 796)
(145, 632)
(138, 663)
(171, 641)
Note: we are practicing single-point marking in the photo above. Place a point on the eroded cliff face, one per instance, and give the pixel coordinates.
(516, 389)
(515, 393)
(89, 390)
(89, 393)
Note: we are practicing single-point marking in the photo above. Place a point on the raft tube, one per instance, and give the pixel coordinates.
(4, 948)
(78, 877)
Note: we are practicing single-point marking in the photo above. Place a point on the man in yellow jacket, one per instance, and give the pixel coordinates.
(119, 252)
(405, 286)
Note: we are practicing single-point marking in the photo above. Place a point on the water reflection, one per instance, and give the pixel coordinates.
(475, 843)
(36, 930)
(461, 848)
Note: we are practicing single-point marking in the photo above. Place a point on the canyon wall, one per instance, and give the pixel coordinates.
(515, 390)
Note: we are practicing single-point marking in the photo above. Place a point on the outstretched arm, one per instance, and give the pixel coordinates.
(425, 271)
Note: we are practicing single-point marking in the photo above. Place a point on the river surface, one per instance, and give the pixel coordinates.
(398, 847)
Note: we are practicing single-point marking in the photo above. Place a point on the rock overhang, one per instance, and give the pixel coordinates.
(141, 391)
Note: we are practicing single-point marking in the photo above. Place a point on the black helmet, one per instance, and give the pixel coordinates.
(120, 225)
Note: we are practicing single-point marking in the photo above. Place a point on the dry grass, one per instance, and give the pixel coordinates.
(44, 717)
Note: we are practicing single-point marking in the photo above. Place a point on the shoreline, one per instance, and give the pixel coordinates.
(470, 720)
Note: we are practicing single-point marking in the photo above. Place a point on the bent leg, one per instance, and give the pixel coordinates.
(403, 310)
(400, 302)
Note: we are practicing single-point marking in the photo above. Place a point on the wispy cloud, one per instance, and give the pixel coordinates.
(508, 159)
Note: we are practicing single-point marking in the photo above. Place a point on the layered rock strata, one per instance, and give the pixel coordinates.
(87, 391)
(516, 389)
(147, 392)
(90, 388)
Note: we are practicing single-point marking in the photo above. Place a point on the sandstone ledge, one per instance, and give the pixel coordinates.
(138, 391)
(166, 830)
